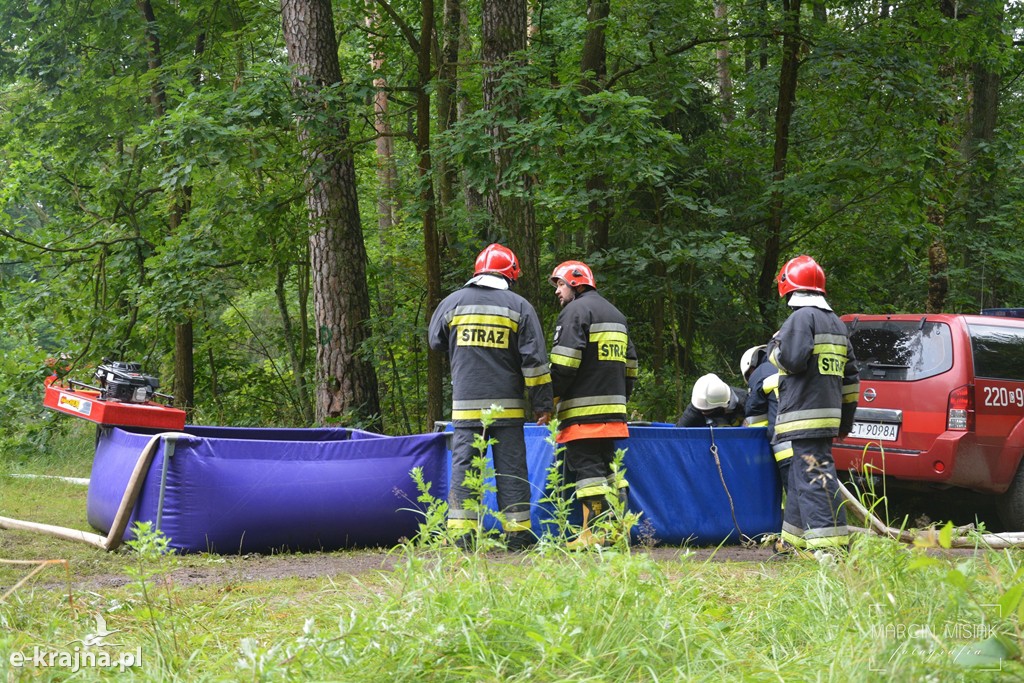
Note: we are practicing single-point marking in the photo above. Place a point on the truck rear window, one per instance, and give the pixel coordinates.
(901, 350)
(998, 351)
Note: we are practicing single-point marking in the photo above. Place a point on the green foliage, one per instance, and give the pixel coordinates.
(120, 218)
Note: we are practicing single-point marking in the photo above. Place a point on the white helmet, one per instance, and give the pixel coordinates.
(747, 361)
(710, 392)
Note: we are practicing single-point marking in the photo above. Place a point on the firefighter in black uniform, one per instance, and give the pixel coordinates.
(818, 387)
(763, 407)
(763, 402)
(593, 369)
(495, 344)
(713, 403)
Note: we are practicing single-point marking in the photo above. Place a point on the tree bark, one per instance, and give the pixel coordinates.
(346, 382)
(783, 117)
(184, 360)
(594, 66)
(387, 174)
(305, 408)
(508, 203)
(447, 112)
(722, 61)
(435, 368)
(982, 182)
(938, 275)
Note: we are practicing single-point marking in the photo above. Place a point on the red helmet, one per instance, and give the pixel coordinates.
(801, 273)
(575, 273)
(498, 259)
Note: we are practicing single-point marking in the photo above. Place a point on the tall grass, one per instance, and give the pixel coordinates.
(885, 612)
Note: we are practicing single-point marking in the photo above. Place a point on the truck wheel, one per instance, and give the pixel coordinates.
(1011, 503)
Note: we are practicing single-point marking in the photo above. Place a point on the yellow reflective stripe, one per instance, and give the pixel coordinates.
(620, 484)
(631, 372)
(784, 454)
(540, 379)
(591, 410)
(467, 524)
(558, 359)
(569, 351)
(770, 383)
(608, 327)
(839, 541)
(758, 423)
(589, 491)
(793, 540)
(510, 525)
(495, 404)
(478, 319)
(827, 338)
(501, 311)
(609, 336)
(834, 349)
(797, 425)
(477, 414)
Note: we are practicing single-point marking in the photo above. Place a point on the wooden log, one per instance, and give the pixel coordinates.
(1012, 539)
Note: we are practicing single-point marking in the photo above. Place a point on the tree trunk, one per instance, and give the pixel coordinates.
(184, 366)
(938, 276)
(474, 200)
(447, 113)
(722, 60)
(387, 174)
(982, 183)
(783, 117)
(184, 361)
(346, 382)
(435, 368)
(594, 66)
(508, 203)
(304, 406)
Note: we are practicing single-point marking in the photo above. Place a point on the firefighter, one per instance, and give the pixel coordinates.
(763, 401)
(496, 350)
(714, 403)
(818, 388)
(763, 406)
(593, 369)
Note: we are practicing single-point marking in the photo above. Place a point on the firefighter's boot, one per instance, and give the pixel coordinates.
(593, 506)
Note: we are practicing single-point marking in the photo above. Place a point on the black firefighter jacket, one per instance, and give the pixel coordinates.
(593, 362)
(496, 349)
(818, 383)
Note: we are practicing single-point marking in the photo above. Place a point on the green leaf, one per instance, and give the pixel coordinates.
(946, 535)
(1011, 599)
(989, 653)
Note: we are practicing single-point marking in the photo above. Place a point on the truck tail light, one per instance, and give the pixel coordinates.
(960, 409)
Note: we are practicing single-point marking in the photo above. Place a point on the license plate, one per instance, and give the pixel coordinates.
(879, 431)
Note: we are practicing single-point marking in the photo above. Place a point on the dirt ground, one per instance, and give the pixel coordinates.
(251, 568)
(248, 568)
